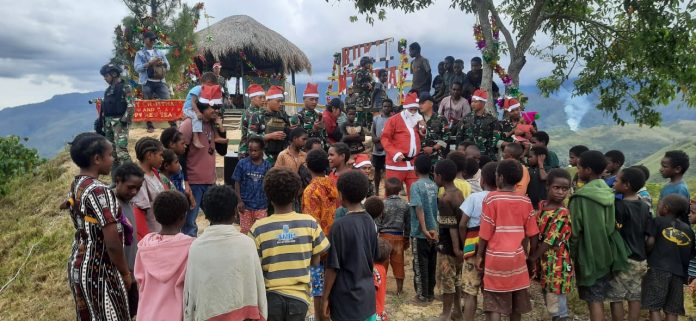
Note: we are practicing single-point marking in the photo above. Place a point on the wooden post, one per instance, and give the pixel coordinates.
(293, 77)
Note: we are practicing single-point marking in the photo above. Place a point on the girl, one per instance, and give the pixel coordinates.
(97, 269)
(149, 153)
(173, 139)
(170, 167)
(339, 155)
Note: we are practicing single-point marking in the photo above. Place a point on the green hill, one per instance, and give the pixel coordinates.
(652, 162)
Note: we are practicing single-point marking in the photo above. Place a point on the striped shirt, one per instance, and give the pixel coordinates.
(286, 244)
(506, 220)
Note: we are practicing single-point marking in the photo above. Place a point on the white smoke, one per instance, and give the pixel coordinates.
(575, 108)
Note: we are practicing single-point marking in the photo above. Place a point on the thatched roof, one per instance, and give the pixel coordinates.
(265, 48)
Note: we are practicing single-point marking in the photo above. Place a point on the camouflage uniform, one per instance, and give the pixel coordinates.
(307, 118)
(225, 93)
(265, 122)
(116, 126)
(246, 118)
(437, 133)
(506, 126)
(484, 131)
(362, 86)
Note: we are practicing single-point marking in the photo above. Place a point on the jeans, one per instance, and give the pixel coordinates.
(190, 227)
(424, 264)
(282, 308)
(156, 90)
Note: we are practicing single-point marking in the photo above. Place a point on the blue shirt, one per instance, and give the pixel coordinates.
(424, 195)
(195, 91)
(141, 58)
(675, 188)
(178, 181)
(250, 178)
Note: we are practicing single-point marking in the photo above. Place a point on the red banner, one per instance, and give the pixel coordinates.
(158, 110)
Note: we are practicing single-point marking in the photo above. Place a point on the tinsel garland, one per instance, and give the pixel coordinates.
(491, 57)
(403, 63)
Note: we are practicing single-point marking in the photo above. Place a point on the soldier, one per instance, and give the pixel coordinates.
(308, 118)
(363, 88)
(480, 127)
(257, 100)
(507, 126)
(116, 112)
(437, 129)
(217, 67)
(272, 124)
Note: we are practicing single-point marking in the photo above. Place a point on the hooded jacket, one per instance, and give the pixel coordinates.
(160, 267)
(596, 246)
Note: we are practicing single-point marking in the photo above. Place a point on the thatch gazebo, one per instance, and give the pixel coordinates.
(245, 47)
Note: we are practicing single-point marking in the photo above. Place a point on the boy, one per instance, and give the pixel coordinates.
(596, 246)
(673, 166)
(573, 156)
(287, 242)
(671, 244)
(248, 185)
(643, 193)
(449, 255)
(541, 139)
(469, 232)
(378, 153)
(157, 281)
(507, 222)
(208, 92)
(615, 160)
(394, 227)
(424, 230)
(349, 279)
(293, 157)
(380, 275)
(514, 151)
(353, 132)
(223, 283)
(257, 101)
(466, 169)
(312, 144)
(635, 223)
(537, 175)
(272, 124)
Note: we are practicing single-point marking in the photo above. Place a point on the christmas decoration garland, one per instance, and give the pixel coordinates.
(491, 57)
(334, 68)
(267, 76)
(403, 67)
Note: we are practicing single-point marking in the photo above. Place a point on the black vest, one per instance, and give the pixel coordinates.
(114, 103)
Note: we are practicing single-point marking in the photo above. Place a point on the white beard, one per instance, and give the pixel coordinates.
(411, 120)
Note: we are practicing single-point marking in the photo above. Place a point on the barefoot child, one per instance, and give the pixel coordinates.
(149, 153)
(394, 227)
(169, 168)
(515, 151)
(173, 140)
(380, 276)
(424, 230)
(248, 185)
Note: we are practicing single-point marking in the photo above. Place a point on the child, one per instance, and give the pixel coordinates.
(671, 244)
(320, 200)
(465, 168)
(424, 230)
(172, 139)
(353, 132)
(293, 157)
(362, 163)
(394, 227)
(557, 273)
(507, 221)
(459, 181)
(209, 93)
(537, 175)
(222, 283)
(469, 232)
(287, 242)
(643, 193)
(596, 246)
(375, 207)
(380, 276)
(128, 178)
(248, 185)
(525, 128)
(349, 279)
(450, 253)
(312, 144)
(378, 153)
(635, 222)
(573, 157)
(149, 153)
(160, 265)
(515, 151)
(615, 160)
(673, 166)
(541, 139)
(339, 155)
(169, 168)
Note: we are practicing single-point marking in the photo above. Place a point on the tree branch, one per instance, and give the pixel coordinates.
(583, 20)
(527, 34)
(499, 22)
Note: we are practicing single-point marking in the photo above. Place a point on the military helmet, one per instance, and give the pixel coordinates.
(109, 69)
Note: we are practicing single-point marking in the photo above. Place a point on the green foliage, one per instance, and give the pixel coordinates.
(15, 160)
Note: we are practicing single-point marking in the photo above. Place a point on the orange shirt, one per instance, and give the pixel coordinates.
(320, 200)
(521, 187)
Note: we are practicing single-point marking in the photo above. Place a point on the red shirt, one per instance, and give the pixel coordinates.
(330, 124)
(200, 164)
(380, 276)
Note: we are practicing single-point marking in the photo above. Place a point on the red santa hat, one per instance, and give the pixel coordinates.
(312, 90)
(275, 92)
(255, 90)
(511, 104)
(361, 160)
(411, 101)
(480, 95)
(211, 95)
(217, 65)
(530, 116)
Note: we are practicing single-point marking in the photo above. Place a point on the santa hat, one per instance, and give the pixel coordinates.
(411, 101)
(361, 160)
(510, 104)
(211, 95)
(480, 95)
(255, 90)
(530, 116)
(217, 65)
(311, 90)
(275, 92)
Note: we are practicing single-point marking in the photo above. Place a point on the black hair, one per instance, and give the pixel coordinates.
(149, 35)
(342, 149)
(458, 83)
(459, 61)
(471, 166)
(441, 63)
(449, 58)
(334, 103)
(392, 186)
(678, 158)
(539, 150)
(169, 207)
(317, 161)
(447, 170)
(124, 171)
(542, 136)
(219, 203)
(558, 173)
(458, 158)
(476, 59)
(208, 76)
(678, 206)
(374, 206)
(170, 136)
(510, 170)
(85, 146)
(577, 150)
(296, 133)
(281, 186)
(387, 100)
(423, 164)
(488, 174)
(383, 251)
(353, 186)
(634, 177)
(381, 72)
(594, 160)
(415, 46)
(515, 150)
(257, 140)
(351, 107)
(168, 158)
(465, 143)
(645, 170)
(485, 159)
(311, 141)
(147, 145)
(422, 98)
(616, 156)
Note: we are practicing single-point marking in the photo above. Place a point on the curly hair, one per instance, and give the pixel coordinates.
(557, 173)
(446, 169)
(458, 158)
(170, 207)
(594, 160)
(678, 158)
(353, 186)
(170, 136)
(374, 206)
(281, 186)
(208, 76)
(634, 177)
(85, 146)
(219, 204)
(383, 251)
(169, 157)
(123, 172)
(423, 164)
(488, 175)
(147, 145)
(677, 205)
(317, 161)
(615, 156)
(392, 186)
(510, 170)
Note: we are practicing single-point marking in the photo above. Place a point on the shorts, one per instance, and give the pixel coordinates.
(248, 217)
(596, 292)
(626, 285)
(448, 272)
(471, 277)
(556, 305)
(316, 274)
(666, 292)
(378, 161)
(507, 302)
(396, 257)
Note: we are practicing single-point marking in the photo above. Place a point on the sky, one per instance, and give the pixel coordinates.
(59, 48)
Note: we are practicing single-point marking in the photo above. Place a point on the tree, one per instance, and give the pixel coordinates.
(636, 54)
(15, 160)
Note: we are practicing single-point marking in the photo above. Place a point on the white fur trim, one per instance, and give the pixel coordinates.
(275, 96)
(408, 167)
(311, 95)
(412, 143)
(396, 156)
(411, 106)
(514, 106)
(363, 163)
(212, 102)
(258, 93)
(479, 98)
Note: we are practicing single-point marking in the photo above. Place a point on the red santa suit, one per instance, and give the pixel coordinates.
(401, 137)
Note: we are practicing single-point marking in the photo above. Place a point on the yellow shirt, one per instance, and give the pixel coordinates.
(460, 184)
